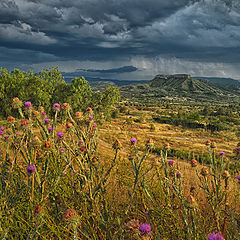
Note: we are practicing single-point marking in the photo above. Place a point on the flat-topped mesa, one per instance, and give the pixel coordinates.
(176, 76)
(182, 76)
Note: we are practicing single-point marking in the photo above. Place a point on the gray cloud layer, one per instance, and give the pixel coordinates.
(53, 31)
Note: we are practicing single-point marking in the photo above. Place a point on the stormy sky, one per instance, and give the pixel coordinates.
(122, 39)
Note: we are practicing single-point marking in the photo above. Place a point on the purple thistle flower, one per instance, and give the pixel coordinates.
(28, 104)
(31, 169)
(56, 107)
(80, 143)
(16, 133)
(47, 121)
(1, 132)
(91, 117)
(170, 162)
(145, 228)
(50, 129)
(94, 125)
(60, 134)
(1, 128)
(179, 175)
(62, 150)
(44, 113)
(133, 140)
(215, 236)
(222, 153)
(238, 177)
(6, 138)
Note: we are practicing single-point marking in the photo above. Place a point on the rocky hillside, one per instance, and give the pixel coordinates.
(181, 87)
(228, 83)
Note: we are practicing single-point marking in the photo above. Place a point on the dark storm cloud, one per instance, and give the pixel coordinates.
(99, 30)
(124, 69)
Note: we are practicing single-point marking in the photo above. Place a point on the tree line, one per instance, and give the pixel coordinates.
(48, 87)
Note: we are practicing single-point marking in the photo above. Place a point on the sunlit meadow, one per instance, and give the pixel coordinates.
(56, 183)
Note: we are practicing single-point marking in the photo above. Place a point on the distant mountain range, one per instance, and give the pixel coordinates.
(97, 81)
(178, 86)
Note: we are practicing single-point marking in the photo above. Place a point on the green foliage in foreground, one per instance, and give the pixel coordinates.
(48, 87)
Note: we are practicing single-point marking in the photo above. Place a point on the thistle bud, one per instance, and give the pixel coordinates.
(178, 175)
(11, 119)
(41, 108)
(65, 105)
(36, 141)
(38, 155)
(69, 214)
(155, 162)
(170, 162)
(194, 163)
(150, 143)
(82, 148)
(204, 171)
(208, 142)
(24, 122)
(17, 103)
(35, 113)
(237, 151)
(47, 144)
(78, 114)
(88, 109)
(226, 174)
(37, 209)
(117, 145)
(166, 146)
(213, 145)
(15, 100)
(95, 159)
(191, 202)
(69, 125)
(133, 224)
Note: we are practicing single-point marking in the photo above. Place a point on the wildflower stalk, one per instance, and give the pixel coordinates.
(54, 123)
(75, 233)
(104, 179)
(20, 112)
(32, 195)
(57, 180)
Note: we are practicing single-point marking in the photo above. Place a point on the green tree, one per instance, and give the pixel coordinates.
(79, 94)
(110, 97)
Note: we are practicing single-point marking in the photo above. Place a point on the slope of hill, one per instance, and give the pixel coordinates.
(180, 87)
(228, 83)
